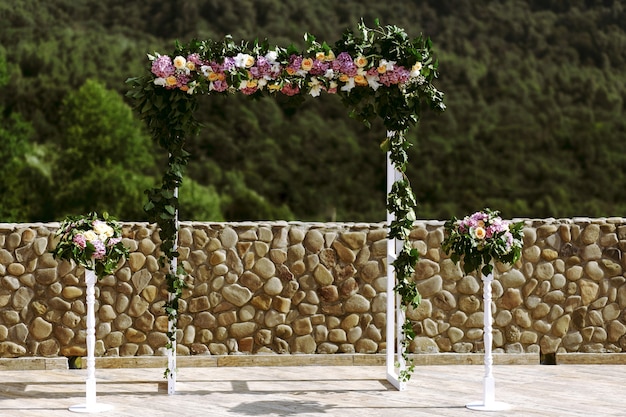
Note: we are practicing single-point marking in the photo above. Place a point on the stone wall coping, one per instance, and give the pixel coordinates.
(357, 225)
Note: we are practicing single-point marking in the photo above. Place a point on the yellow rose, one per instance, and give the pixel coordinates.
(330, 56)
(320, 56)
(382, 69)
(344, 78)
(360, 80)
(190, 66)
(417, 67)
(249, 61)
(480, 232)
(307, 64)
(291, 71)
(171, 80)
(273, 87)
(360, 61)
(213, 76)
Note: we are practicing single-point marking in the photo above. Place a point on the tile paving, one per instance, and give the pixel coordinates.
(435, 390)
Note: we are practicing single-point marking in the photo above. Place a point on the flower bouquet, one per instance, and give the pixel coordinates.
(91, 241)
(482, 237)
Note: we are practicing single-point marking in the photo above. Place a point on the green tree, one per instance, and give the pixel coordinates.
(105, 160)
(14, 146)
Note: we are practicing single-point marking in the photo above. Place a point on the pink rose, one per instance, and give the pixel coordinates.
(80, 241)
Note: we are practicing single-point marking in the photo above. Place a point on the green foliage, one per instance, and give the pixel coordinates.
(104, 159)
(199, 202)
(536, 97)
(14, 170)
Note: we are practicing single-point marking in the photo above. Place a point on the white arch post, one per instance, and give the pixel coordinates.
(395, 315)
(171, 324)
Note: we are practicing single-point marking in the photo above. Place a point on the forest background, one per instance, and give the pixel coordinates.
(535, 123)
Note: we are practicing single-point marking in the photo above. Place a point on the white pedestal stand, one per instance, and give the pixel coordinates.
(489, 402)
(90, 405)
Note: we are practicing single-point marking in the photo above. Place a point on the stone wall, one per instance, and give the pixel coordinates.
(314, 288)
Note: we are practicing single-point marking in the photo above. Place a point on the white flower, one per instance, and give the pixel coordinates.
(316, 87)
(101, 228)
(191, 87)
(330, 74)
(90, 236)
(349, 85)
(180, 63)
(160, 82)
(206, 70)
(276, 68)
(372, 81)
(271, 57)
(415, 70)
(243, 60)
(386, 65)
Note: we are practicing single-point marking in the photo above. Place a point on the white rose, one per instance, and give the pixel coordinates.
(101, 228)
(180, 62)
(90, 236)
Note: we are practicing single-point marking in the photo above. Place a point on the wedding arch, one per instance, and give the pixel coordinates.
(376, 72)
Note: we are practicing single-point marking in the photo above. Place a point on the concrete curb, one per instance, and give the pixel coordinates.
(34, 363)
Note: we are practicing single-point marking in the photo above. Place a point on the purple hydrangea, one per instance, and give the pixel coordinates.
(262, 68)
(295, 62)
(195, 58)
(228, 65)
(163, 66)
(319, 67)
(100, 249)
(345, 64)
(220, 86)
(114, 241)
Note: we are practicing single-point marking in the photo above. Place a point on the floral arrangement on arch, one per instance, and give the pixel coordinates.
(482, 237)
(377, 59)
(377, 72)
(91, 241)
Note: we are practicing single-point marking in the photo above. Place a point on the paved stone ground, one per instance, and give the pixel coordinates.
(434, 390)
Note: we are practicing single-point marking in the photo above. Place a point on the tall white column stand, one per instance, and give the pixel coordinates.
(395, 315)
(90, 405)
(171, 325)
(489, 402)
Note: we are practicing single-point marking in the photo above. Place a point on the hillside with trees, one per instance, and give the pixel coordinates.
(534, 125)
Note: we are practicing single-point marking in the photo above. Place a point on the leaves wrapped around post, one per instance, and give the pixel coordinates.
(481, 238)
(91, 241)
